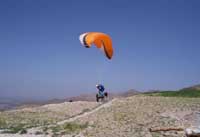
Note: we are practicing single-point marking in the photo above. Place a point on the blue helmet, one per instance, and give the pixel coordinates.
(100, 87)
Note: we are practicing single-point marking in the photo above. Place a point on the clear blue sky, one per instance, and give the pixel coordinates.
(156, 42)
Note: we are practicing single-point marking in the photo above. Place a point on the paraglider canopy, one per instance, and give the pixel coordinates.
(101, 40)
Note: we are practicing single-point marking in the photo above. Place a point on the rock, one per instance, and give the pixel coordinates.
(193, 132)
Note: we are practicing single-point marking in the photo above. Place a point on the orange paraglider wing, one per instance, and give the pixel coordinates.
(101, 40)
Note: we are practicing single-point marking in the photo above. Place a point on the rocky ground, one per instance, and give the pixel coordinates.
(124, 117)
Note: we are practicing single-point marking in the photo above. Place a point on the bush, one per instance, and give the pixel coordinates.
(2, 123)
(23, 131)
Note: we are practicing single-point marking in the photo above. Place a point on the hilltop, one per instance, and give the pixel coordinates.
(130, 116)
(195, 87)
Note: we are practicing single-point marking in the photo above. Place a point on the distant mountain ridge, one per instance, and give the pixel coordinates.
(129, 93)
(92, 96)
(6, 104)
